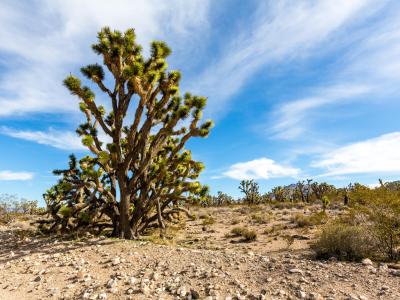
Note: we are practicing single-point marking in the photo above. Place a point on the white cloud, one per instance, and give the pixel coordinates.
(9, 175)
(47, 39)
(369, 71)
(261, 168)
(283, 31)
(376, 155)
(65, 140)
(292, 118)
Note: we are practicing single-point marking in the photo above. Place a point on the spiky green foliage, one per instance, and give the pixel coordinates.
(250, 189)
(145, 172)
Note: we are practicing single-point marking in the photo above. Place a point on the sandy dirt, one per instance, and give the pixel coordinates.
(198, 259)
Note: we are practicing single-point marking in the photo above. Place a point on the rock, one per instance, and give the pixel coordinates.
(181, 291)
(367, 262)
(102, 296)
(37, 279)
(395, 272)
(80, 275)
(155, 276)
(314, 296)
(111, 283)
(194, 294)
(116, 261)
(132, 280)
(295, 271)
(301, 294)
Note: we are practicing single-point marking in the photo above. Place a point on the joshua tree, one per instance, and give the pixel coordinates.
(321, 189)
(309, 190)
(300, 191)
(250, 189)
(279, 193)
(325, 202)
(144, 169)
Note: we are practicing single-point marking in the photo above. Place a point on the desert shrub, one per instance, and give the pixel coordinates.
(208, 220)
(12, 208)
(247, 234)
(259, 218)
(344, 241)
(235, 222)
(382, 220)
(378, 212)
(302, 220)
(285, 205)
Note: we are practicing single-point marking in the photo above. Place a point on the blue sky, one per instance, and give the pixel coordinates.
(297, 89)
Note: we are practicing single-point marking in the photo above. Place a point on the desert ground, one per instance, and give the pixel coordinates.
(196, 259)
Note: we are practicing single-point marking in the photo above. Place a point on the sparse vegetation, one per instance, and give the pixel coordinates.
(247, 234)
(13, 208)
(208, 220)
(344, 241)
(302, 220)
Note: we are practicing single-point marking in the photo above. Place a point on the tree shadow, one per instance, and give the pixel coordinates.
(16, 244)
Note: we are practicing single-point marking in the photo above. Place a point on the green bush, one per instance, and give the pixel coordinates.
(208, 220)
(344, 241)
(302, 220)
(260, 218)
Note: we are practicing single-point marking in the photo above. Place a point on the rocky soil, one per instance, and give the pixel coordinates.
(200, 261)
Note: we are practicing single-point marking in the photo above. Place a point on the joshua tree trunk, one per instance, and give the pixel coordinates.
(124, 224)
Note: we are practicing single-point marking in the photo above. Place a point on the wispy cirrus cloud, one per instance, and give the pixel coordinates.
(261, 168)
(292, 118)
(45, 40)
(379, 155)
(282, 32)
(368, 70)
(7, 175)
(65, 140)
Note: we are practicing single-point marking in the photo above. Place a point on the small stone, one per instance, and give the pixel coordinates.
(132, 280)
(195, 294)
(102, 296)
(111, 283)
(181, 291)
(155, 276)
(295, 271)
(37, 279)
(116, 261)
(301, 295)
(314, 296)
(145, 290)
(367, 262)
(80, 275)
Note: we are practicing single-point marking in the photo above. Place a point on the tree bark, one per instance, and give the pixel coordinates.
(125, 231)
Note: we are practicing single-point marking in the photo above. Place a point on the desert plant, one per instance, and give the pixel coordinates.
(250, 189)
(259, 218)
(144, 173)
(314, 219)
(325, 202)
(247, 234)
(344, 241)
(208, 220)
(279, 193)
